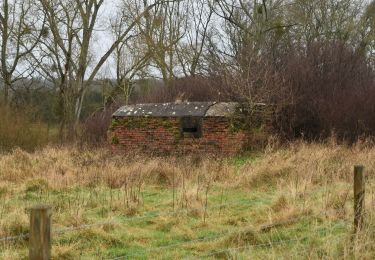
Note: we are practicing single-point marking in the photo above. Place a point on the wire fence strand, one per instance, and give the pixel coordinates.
(116, 219)
(269, 244)
(219, 236)
(119, 219)
(15, 238)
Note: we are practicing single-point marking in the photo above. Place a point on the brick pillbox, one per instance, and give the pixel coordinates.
(178, 128)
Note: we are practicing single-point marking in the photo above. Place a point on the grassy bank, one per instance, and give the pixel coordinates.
(292, 202)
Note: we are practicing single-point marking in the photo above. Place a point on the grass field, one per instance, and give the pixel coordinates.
(287, 203)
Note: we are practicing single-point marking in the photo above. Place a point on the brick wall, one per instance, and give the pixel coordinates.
(163, 136)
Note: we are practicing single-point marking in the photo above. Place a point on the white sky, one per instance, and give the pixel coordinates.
(103, 37)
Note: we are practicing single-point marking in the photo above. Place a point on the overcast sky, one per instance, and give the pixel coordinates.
(103, 38)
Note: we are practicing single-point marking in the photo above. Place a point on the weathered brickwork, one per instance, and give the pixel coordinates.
(163, 135)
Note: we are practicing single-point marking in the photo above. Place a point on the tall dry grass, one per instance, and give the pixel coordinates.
(294, 170)
(292, 183)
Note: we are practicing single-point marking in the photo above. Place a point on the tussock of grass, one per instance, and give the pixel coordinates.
(36, 185)
(98, 237)
(280, 204)
(245, 237)
(65, 252)
(14, 223)
(4, 190)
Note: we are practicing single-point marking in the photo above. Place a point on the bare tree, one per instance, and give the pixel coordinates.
(161, 29)
(21, 27)
(69, 50)
(190, 49)
(325, 20)
(131, 57)
(242, 48)
(367, 34)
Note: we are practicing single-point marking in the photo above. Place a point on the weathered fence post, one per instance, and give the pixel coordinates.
(40, 233)
(359, 196)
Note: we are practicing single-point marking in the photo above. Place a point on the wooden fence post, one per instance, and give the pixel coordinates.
(40, 233)
(359, 196)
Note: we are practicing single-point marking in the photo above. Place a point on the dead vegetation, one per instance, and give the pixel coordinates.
(301, 192)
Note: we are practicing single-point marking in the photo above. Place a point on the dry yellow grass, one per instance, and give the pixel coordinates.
(301, 192)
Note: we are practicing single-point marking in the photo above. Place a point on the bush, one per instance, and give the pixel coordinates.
(19, 129)
(311, 92)
(196, 88)
(331, 88)
(95, 127)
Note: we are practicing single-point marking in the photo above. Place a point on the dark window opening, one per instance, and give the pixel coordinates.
(190, 130)
(191, 127)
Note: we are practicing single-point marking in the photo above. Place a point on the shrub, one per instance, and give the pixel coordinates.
(310, 92)
(95, 127)
(198, 88)
(18, 128)
(331, 89)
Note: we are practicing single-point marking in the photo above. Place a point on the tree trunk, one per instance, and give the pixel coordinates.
(7, 88)
(79, 104)
(6, 94)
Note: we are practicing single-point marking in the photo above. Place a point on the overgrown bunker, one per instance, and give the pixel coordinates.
(185, 127)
